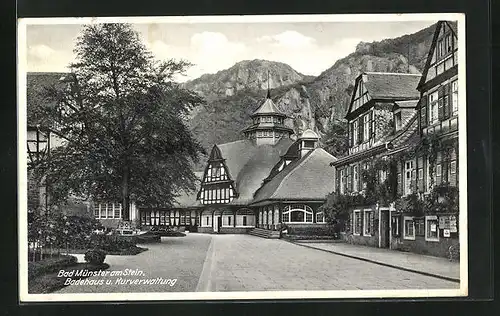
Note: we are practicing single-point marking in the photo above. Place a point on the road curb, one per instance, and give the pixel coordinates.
(380, 263)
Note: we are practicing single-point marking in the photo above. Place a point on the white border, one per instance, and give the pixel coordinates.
(22, 172)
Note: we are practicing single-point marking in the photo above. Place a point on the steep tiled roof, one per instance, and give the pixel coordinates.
(392, 85)
(310, 177)
(268, 107)
(236, 155)
(249, 164)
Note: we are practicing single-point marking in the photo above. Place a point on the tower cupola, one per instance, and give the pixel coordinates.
(308, 141)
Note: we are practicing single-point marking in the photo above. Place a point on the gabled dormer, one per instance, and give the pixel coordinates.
(370, 114)
(217, 187)
(442, 59)
(438, 107)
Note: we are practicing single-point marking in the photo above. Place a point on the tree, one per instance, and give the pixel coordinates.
(336, 138)
(124, 122)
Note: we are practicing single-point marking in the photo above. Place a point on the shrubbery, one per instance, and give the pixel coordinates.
(50, 265)
(95, 256)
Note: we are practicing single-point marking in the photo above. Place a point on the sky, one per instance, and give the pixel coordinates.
(309, 47)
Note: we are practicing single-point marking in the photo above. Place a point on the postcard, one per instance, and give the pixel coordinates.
(242, 157)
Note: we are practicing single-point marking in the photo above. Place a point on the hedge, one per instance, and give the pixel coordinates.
(50, 265)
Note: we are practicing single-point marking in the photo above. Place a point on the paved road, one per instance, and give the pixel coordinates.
(212, 263)
(248, 263)
(178, 258)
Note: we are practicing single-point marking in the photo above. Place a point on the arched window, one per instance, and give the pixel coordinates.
(298, 213)
(320, 217)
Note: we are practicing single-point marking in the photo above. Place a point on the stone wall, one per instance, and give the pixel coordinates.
(235, 230)
(420, 245)
(205, 230)
(310, 229)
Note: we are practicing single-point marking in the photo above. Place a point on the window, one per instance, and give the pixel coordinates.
(397, 120)
(297, 214)
(357, 222)
(454, 97)
(366, 127)
(229, 220)
(383, 175)
(409, 175)
(440, 48)
(419, 227)
(395, 226)
(320, 218)
(431, 224)
(453, 167)
(244, 221)
(118, 210)
(208, 219)
(96, 210)
(309, 144)
(107, 210)
(449, 46)
(433, 107)
(438, 170)
(409, 228)
(368, 223)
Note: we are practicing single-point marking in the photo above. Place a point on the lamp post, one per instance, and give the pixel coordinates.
(38, 145)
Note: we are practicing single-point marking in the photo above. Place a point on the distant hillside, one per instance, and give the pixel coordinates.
(232, 94)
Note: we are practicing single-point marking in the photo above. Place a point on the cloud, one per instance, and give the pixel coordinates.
(44, 58)
(213, 51)
(291, 39)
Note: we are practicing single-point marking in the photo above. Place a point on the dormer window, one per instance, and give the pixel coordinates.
(309, 144)
(397, 120)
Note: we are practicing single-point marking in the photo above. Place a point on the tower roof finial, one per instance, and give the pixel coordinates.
(268, 88)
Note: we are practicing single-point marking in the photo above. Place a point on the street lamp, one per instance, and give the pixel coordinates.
(38, 146)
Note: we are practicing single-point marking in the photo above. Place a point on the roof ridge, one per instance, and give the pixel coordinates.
(305, 158)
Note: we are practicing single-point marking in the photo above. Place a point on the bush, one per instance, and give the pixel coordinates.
(148, 238)
(50, 265)
(110, 243)
(95, 256)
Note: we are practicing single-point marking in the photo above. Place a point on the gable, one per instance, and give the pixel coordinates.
(443, 53)
(359, 96)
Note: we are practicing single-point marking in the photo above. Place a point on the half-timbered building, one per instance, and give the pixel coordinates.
(382, 119)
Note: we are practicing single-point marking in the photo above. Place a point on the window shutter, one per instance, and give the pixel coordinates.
(440, 102)
(372, 127)
(400, 178)
(360, 129)
(447, 105)
(423, 111)
(351, 175)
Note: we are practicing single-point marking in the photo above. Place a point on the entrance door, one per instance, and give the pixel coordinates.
(219, 223)
(384, 228)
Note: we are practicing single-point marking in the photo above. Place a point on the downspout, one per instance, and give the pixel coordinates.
(379, 226)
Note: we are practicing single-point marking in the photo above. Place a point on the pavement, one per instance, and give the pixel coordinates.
(179, 258)
(429, 265)
(217, 263)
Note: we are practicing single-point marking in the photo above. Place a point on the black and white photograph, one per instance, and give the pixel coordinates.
(242, 157)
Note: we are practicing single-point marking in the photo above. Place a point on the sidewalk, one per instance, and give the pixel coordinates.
(428, 265)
